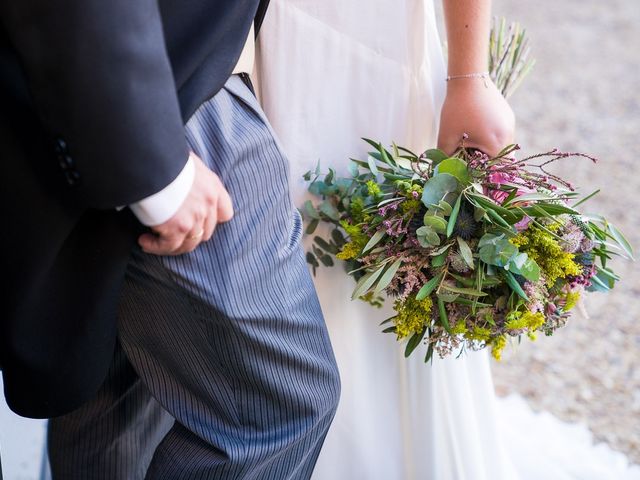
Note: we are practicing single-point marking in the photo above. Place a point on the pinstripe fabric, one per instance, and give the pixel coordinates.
(229, 339)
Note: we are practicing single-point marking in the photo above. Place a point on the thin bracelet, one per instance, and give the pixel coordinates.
(483, 75)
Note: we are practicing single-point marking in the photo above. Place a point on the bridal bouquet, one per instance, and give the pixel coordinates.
(472, 249)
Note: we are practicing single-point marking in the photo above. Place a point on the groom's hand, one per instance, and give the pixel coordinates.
(207, 204)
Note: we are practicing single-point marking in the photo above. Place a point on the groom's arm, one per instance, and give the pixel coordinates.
(101, 81)
(102, 84)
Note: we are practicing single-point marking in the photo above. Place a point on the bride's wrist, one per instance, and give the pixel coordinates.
(483, 75)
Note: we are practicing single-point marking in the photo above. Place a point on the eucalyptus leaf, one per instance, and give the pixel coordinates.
(456, 167)
(445, 207)
(312, 260)
(437, 188)
(353, 168)
(329, 210)
(498, 254)
(439, 224)
(311, 227)
(317, 251)
(326, 260)
(338, 238)
(310, 210)
(523, 265)
(490, 239)
(439, 260)
(328, 179)
(427, 237)
(326, 246)
(435, 155)
(318, 188)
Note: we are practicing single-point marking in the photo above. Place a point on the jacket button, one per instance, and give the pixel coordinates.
(72, 177)
(60, 146)
(65, 161)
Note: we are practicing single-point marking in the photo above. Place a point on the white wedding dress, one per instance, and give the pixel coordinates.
(328, 73)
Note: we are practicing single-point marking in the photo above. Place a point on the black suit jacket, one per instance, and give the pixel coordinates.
(94, 95)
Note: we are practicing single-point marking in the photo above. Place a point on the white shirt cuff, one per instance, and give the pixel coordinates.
(161, 206)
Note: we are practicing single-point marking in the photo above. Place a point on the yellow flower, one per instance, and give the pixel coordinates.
(413, 315)
(349, 251)
(480, 334)
(571, 300)
(524, 320)
(497, 346)
(357, 242)
(545, 250)
(460, 328)
(373, 188)
(411, 205)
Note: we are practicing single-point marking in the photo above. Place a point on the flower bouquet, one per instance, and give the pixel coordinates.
(472, 249)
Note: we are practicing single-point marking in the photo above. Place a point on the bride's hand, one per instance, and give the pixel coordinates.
(475, 107)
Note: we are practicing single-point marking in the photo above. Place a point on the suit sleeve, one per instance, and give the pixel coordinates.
(102, 84)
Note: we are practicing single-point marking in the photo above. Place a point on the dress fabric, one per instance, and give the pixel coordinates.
(328, 74)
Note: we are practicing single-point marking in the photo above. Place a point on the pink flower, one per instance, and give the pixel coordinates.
(523, 224)
(499, 177)
(497, 196)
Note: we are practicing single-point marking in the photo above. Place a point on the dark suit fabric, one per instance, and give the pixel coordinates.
(93, 100)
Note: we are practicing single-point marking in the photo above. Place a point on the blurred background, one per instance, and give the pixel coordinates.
(583, 95)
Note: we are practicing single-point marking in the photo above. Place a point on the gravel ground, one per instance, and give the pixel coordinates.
(583, 96)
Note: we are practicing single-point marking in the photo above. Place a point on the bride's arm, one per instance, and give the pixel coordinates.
(473, 104)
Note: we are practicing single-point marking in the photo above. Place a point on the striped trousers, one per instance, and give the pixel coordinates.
(224, 368)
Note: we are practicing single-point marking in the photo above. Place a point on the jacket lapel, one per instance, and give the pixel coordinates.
(260, 14)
